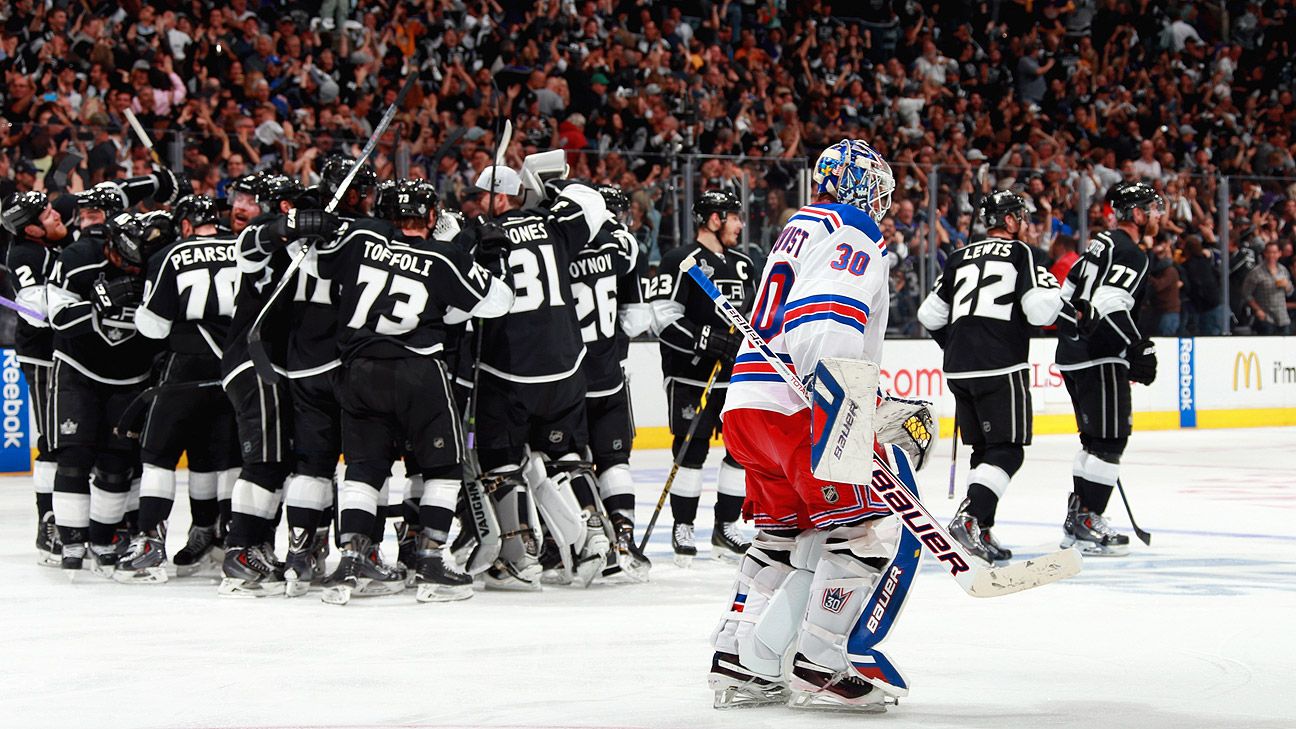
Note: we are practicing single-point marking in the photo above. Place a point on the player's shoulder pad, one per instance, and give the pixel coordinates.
(671, 259)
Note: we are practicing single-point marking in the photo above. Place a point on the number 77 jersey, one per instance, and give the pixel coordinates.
(824, 293)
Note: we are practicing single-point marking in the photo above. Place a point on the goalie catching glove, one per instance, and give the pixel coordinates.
(908, 424)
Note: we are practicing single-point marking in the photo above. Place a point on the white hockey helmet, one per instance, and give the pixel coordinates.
(855, 174)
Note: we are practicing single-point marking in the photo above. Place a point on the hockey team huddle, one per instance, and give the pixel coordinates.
(358, 320)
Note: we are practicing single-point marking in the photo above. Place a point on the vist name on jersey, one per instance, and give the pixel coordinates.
(404, 261)
(189, 255)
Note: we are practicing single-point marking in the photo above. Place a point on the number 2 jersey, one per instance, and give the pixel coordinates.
(824, 293)
(990, 297)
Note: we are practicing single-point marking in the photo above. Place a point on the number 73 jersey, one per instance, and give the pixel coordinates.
(824, 293)
(990, 297)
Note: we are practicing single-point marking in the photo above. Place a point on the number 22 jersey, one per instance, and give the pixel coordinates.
(824, 293)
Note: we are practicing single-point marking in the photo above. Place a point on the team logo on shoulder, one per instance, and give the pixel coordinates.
(68, 427)
(835, 598)
(555, 436)
(830, 494)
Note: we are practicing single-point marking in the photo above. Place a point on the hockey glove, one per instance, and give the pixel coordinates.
(1142, 362)
(300, 223)
(492, 248)
(717, 343)
(171, 186)
(115, 301)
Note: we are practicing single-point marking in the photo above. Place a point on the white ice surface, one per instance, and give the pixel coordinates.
(1194, 631)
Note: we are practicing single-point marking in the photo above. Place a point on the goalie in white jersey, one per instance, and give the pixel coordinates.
(826, 568)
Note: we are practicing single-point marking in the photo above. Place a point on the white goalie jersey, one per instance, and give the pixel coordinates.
(824, 293)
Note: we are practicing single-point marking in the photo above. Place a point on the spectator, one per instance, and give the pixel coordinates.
(1266, 290)
(1203, 314)
(1164, 276)
(1064, 255)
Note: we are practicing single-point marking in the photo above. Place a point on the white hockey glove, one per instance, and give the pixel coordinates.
(908, 424)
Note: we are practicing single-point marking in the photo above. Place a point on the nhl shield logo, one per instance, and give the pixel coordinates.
(438, 442)
(835, 598)
(555, 436)
(830, 494)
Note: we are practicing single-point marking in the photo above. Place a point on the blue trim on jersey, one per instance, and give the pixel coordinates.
(856, 218)
(758, 357)
(756, 377)
(827, 223)
(822, 315)
(831, 299)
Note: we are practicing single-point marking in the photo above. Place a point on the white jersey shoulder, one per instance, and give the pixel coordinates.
(824, 293)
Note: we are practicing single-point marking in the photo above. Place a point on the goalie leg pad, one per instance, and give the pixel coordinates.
(761, 572)
(860, 585)
(508, 491)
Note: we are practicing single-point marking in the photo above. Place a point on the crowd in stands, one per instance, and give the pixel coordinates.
(1057, 99)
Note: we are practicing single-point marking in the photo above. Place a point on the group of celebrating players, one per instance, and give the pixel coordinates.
(486, 355)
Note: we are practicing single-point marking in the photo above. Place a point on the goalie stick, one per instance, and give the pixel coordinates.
(256, 345)
(975, 579)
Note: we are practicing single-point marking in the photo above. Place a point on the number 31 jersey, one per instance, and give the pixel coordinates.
(989, 299)
(824, 293)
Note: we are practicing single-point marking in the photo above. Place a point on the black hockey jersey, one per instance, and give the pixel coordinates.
(189, 298)
(313, 337)
(31, 265)
(680, 308)
(394, 291)
(539, 340)
(602, 281)
(112, 352)
(260, 266)
(987, 303)
(1107, 283)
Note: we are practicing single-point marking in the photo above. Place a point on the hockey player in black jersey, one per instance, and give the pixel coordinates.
(694, 338)
(100, 364)
(531, 391)
(609, 303)
(38, 234)
(988, 301)
(1100, 354)
(397, 286)
(188, 302)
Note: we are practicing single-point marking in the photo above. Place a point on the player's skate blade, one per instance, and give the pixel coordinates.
(727, 542)
(437, 581)
(683, 544)
(200, 553)
(735, 687)
(49, 550)
(816, 687)
(1094, 549)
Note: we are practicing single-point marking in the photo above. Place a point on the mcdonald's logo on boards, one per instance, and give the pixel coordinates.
(1243, 363)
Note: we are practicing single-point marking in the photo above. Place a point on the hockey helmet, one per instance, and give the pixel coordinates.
(277, 187)
(249, 184)
(406, 198)
(1126, 197)
(335, 169)
(855, 174)
(22, 209)
(105, 196)
(160, 231)
(127, 238)
(997, 205)
(614, 197)
(199, 210)
(715, 201)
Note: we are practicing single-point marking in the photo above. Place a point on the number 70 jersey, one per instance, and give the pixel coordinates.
(824, 293)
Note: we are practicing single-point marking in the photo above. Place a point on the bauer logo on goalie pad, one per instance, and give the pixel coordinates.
(841, 420)
(884, 600)
(835, 598)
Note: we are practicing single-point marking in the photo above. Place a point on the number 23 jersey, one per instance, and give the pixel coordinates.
(824, 293)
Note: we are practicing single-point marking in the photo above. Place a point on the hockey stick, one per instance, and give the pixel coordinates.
(143, 135)
(885, 486)
(131, 413)
(954, 453)
(24, 310)
(679, 458)
(256, 346)
(1143, 536)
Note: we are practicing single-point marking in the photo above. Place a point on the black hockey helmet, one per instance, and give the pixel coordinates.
(249, 184)
(105, 196)
(406, 199)
(614, 197)
(127, 238)
(715, 201)
(1126, 197)
(160, 231)
(997, 205)
(22, 209)
(277, 187)
(199, 210)
(335, 169)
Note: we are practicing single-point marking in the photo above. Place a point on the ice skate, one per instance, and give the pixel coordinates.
(200, 553)
(520, 575)
(103, 558)
(49, 550)
(248, 573)
(145, 560)
(683, 544)
(321, 553)
(967, 531)
(299, 563)
(72, 556)
(593, 555)
(817, 687)
(552, 570)
(626, 558)
(735, 686)
(1002, 555)
(407, 546)
(1090, 533)
(728, 542)
(437, 578)
(360, 574)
